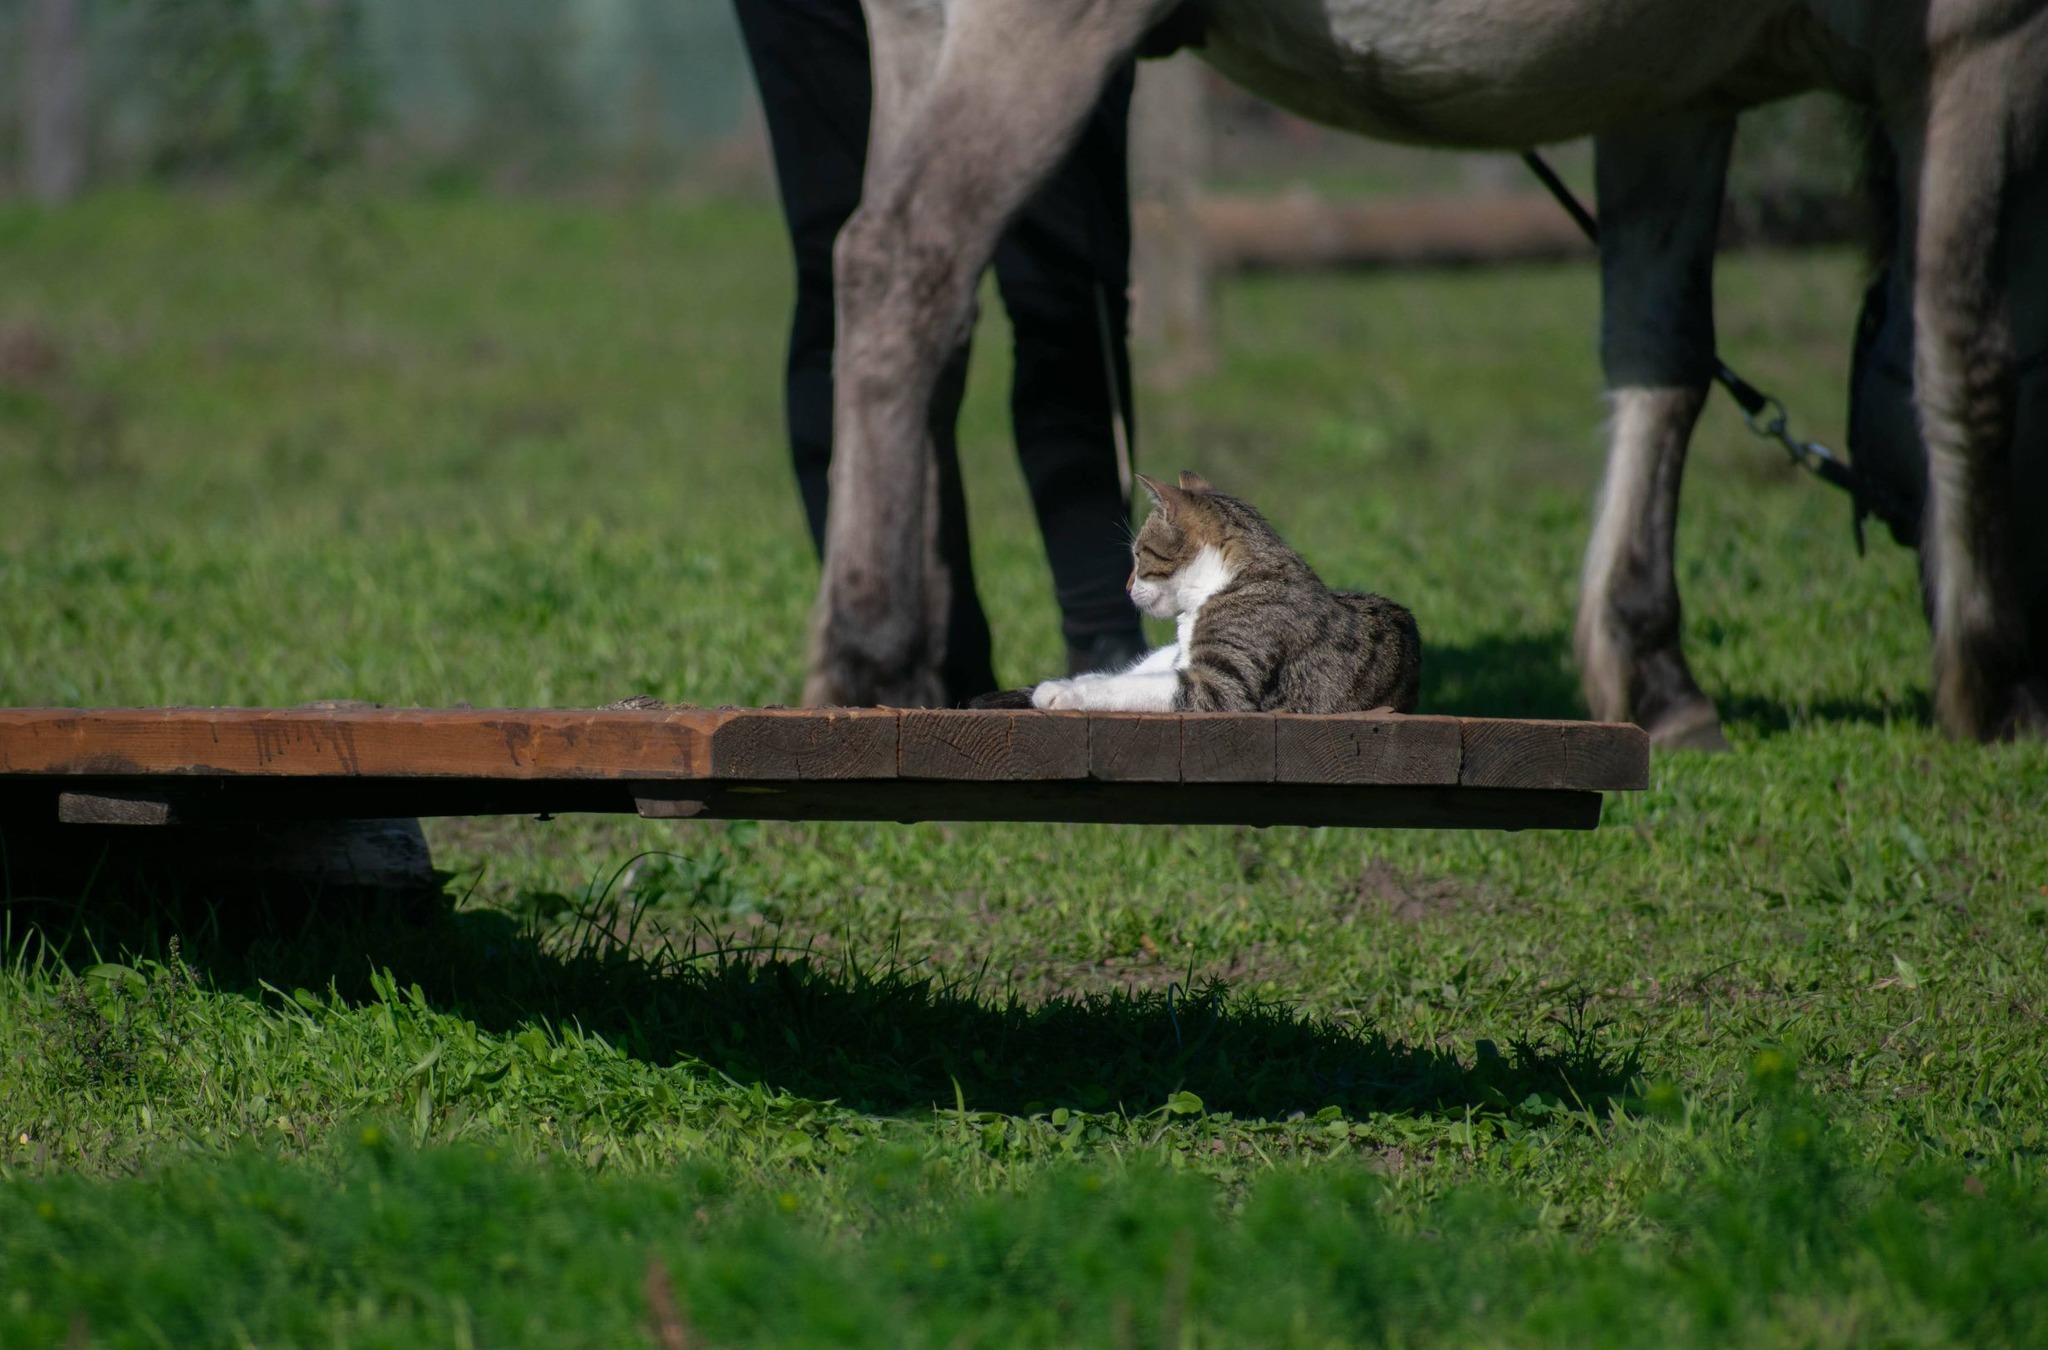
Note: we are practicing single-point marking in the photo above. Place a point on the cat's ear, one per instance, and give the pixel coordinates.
(1167, 498)
(1194, 482)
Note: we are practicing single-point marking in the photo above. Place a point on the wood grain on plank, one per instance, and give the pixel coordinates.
(993, 745)
(515, 743)
(1229, 747)
(774, 743)
(1366, 748)
(1134, 747)
(1585, 756)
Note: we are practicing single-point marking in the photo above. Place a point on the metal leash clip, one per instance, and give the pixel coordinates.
(1770, 421)
(1764, 414)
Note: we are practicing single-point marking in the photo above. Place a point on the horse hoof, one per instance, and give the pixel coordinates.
(842, 687)
(1689, 726)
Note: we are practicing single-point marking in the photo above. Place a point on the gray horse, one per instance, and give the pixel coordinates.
(976, 100)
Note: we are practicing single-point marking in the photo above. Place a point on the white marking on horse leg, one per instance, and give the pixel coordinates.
(1955, 580)
(1601, 649)
(1648, 426)
(1660, 185)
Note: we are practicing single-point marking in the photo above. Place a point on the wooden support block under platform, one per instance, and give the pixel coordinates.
(170, 767)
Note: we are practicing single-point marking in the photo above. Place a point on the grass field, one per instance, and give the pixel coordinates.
(1759, 1061)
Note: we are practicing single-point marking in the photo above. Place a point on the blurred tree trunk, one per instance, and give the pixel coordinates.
(56, 100)
(1170, 263)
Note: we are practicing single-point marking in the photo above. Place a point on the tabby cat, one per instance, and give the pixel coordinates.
(1259, 631)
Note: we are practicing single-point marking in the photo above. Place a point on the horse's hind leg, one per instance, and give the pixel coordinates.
(1978, 315)
(1660, 206)
(949, 164)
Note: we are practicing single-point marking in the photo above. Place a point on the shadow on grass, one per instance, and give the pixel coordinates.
(887, 1039)
(1523, 675)
(1770, 717)
(1532, 676)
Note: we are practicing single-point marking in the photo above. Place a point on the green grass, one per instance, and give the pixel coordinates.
(405, 1248)
(1760, 1060)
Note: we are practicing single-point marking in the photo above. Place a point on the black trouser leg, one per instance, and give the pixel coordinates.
(968, 667)
(810, 60)
(1064, 271)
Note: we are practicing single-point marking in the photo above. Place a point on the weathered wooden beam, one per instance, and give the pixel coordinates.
(385, 742)
(794, 743)
(178, 765)
(1300, 231)
(1230, 748)
(992, 746)
(1497, 752)
(1367, 748)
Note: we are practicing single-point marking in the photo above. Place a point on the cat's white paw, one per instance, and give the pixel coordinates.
(1056, 694)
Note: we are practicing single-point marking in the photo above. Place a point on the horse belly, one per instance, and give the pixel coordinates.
(1488, 73)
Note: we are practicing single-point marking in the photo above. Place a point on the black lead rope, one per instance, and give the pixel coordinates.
(1764, 413)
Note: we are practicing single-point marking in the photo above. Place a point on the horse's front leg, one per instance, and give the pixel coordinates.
(950, 161)
(1660, 206)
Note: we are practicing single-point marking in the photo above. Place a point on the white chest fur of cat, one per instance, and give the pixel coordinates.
(1258, 631)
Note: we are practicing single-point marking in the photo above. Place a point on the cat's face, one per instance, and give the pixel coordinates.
(1177, 558)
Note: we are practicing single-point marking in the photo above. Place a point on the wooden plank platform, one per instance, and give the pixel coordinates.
(164, 766)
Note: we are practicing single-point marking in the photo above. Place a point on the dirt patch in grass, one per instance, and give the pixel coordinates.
(1413, 898)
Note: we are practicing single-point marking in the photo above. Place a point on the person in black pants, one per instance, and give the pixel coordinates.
(1063, 268)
